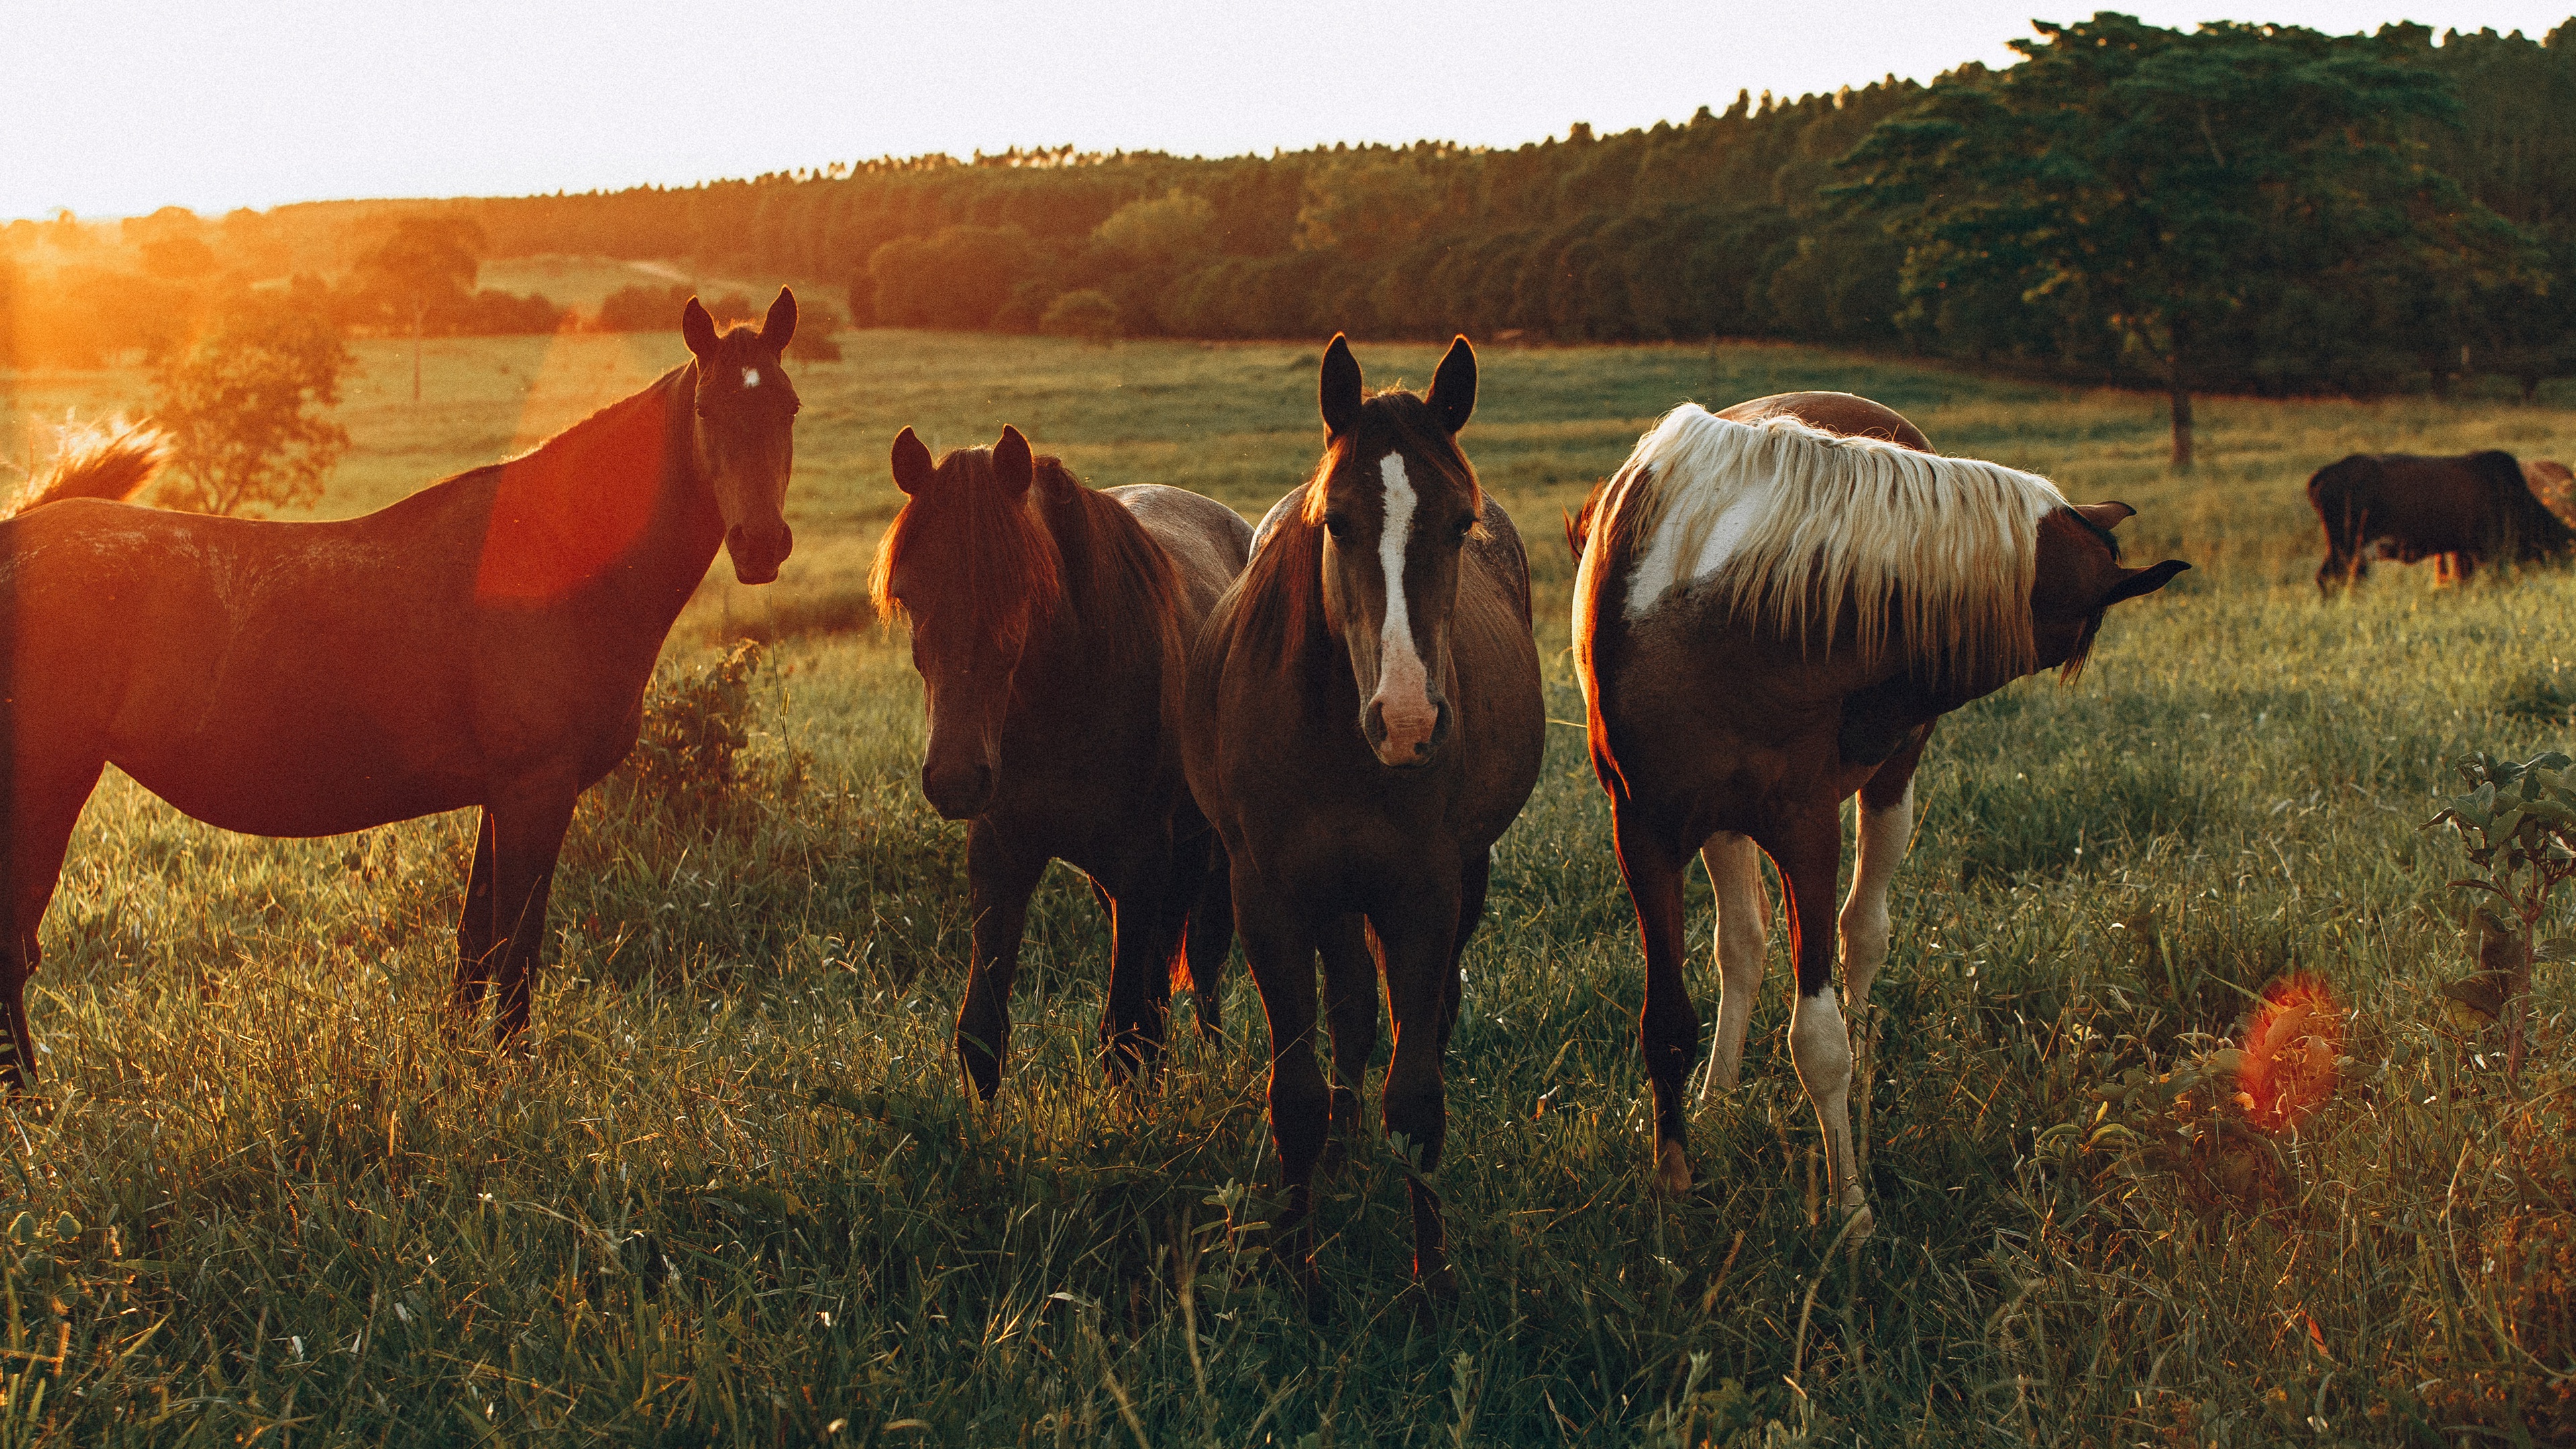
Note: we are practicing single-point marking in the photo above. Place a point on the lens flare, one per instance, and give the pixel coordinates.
(2287, 1069)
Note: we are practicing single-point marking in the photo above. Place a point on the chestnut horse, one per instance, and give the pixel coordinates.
(1051, 624)
(1363, 722)
(485, 641)
(1773, 606)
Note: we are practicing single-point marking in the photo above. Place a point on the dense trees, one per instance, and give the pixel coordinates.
(2282, 212)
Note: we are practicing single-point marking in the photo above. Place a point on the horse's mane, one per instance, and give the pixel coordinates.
(1059, 545)
(1935, 553)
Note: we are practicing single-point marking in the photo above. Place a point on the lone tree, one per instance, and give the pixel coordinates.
(424, 268)
(2138, 178)
(246, 409)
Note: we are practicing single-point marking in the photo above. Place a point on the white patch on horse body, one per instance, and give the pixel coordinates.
(1689, 547)
(1404, 686)
(751, 377)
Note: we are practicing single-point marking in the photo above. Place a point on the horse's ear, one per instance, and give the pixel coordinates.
(1340, 390)
(2135, 582)
(1453, 387)
(698, 329)
(779, 327)
(2105, 516)
(912, 467)
(1012, 461)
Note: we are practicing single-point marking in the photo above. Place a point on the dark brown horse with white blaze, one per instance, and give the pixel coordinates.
(1774, 605)
(1364, 721)
(485, 641)
(1051, 624)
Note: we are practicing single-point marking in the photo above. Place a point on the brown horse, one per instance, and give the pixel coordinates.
(1774, 605)
(485, 641)
(1051, 624)
(1364, 721)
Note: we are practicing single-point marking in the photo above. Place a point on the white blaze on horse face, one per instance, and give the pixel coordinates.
(751, 377)
(1689, 545)
(1403, 686)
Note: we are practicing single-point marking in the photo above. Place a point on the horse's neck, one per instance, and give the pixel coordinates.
(614, 504)
(1090, 633)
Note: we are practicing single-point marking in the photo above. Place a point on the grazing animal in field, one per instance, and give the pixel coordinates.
(1363, 722)
(485, 641)
(1051, 624)
(2460, 512)
(113, 462)
(1772, 607)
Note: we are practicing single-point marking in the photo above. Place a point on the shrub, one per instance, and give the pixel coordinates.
(688, 762)
(1086, 313)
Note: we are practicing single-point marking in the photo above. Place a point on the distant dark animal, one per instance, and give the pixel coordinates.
(1052, 624)
(1363, 722)
(2461, 512)
(112, 461)
(1773, 606)
(485, 641)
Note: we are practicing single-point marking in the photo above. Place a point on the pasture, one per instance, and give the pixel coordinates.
(738, 1193)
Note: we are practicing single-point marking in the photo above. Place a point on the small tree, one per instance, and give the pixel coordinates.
(424, 268)
(245, 408)
(1088, 314)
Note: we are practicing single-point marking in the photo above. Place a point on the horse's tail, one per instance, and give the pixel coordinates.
(111, 461)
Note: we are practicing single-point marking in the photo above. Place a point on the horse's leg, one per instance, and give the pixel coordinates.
(1421, 970)
(1350, 1010)
(475, 928)
(528, 825)
(1280, 946)
(1886, 829)
(1734, 866)
(1209, 938)
(1472, 885)
(1145, 927)
(1808, 848)
(43, 806)
(999, 882)
(1668, 1028)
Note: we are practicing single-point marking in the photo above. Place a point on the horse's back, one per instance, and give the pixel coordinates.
(1207, 542)
(1844, 414)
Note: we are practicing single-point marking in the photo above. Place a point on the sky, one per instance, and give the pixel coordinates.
(117, 107)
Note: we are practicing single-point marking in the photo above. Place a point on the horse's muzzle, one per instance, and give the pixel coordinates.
(757, 555)
(1404, 751)
(958, 792)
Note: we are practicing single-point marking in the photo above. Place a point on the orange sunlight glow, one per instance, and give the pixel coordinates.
(544, 543)
(2288, 1067)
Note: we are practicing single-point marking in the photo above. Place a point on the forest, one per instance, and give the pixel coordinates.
(2377, 213)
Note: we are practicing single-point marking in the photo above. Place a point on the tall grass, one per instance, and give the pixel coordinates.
(734, 1191)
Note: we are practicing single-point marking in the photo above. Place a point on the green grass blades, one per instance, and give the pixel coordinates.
(736, 1192)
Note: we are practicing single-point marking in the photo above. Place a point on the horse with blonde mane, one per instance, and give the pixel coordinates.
(1772, 606)
(484, 642)
(1051, 624)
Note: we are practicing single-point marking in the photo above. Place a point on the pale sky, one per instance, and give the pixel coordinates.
(116, 107)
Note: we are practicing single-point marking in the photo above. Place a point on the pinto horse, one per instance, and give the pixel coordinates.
(1363, 722)
(485, 641)
(1772, 606)
(1051, 624)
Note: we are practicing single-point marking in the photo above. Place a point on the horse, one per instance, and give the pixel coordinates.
(1363, 722)
(2458, 511)
(1051, 626)
(1772, 607)
(483, 642)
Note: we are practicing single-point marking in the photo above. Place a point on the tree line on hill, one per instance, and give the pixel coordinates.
(2236, 208)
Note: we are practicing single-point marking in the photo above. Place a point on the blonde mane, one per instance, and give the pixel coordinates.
(1932, 553)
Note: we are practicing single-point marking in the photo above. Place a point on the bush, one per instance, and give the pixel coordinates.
(1086, 313)
(688, 762)
(246, 409)
(643, 309)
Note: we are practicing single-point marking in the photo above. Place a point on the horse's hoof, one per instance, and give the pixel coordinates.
(1672, 1168)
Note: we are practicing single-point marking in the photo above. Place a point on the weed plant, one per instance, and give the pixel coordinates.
(735, 1192)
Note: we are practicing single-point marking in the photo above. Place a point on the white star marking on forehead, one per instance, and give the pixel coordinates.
(751, 377)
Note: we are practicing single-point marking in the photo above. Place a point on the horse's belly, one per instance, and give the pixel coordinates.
(314, 792)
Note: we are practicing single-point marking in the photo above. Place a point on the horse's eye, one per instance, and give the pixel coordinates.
(1462, 528)
(1338, 526)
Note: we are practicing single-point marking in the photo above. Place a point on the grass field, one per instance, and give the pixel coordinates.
(737, 1194)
